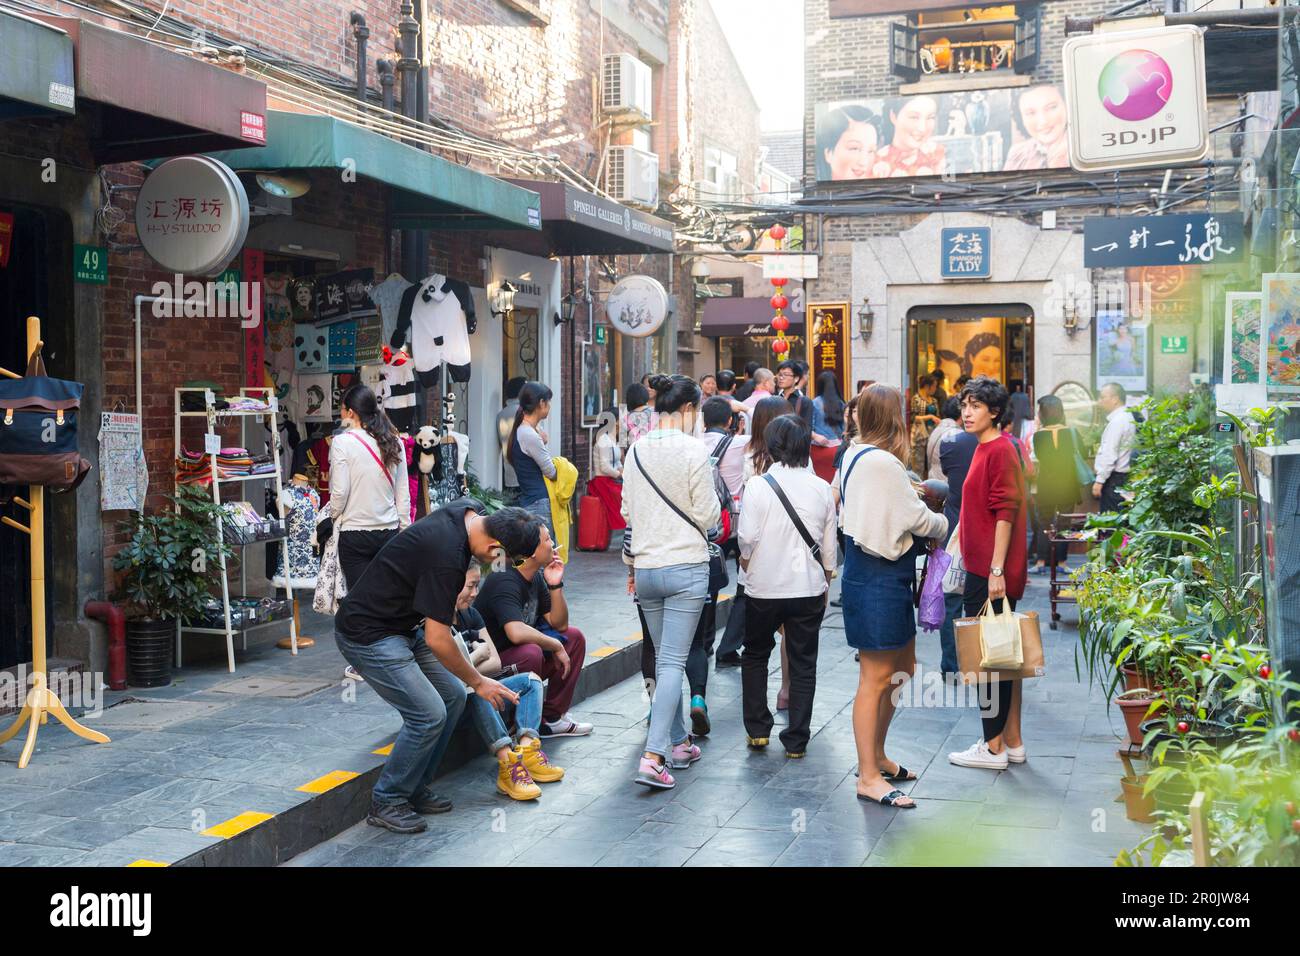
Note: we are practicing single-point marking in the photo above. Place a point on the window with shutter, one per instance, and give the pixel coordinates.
(1028, 31)
(904, 55)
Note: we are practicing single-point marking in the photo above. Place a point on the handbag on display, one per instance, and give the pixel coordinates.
(954, 578)
(38, 430)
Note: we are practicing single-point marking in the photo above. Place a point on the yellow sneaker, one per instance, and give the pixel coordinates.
(513, 780)
(539, 768)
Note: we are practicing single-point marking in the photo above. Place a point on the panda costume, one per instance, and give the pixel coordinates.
(437, 316)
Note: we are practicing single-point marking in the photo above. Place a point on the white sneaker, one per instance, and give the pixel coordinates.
(351, 673)
(566, 726)
(979, 755)
(1016, 754)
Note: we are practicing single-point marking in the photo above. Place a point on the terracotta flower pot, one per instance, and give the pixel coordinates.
(1135, 679)
(1134, 710)
(1138, 808)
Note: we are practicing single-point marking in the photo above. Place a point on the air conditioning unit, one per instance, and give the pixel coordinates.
(633, 176)
(626, 86)
(263, 203)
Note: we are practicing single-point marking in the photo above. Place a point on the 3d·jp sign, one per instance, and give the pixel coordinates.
(1136, 98)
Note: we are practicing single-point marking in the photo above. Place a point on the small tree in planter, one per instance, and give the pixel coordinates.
(168, 568)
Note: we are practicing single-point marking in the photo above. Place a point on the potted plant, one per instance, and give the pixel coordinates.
(1137, 705)
(167, 568)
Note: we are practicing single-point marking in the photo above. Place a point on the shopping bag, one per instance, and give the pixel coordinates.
(931, 613)
(954, 579)
(969, 651)
(1000, 646)
(331, 586)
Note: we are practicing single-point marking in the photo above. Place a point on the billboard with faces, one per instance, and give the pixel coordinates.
(942, 134)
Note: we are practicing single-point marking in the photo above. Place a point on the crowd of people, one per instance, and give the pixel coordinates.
(794, 488)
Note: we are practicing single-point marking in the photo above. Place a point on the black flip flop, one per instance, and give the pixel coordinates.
(903, 776)
(891, 800)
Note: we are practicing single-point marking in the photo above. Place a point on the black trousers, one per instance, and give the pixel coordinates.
(802, 618)
(357, 549)
(697, 658)
(734, 634)
(994, 713)
(1110, 497)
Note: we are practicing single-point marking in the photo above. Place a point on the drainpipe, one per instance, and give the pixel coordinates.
(361, 33)
(115, 620)
(386, 78)
(414, 245)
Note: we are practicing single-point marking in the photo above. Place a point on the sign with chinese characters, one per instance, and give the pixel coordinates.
(1136, 98)
(601, 334)
(791, 267)
(90, 264)
(1184, 239)
(637, 306)
(829, 344)
(345, 295)
(965, 253)
(192, 215)
(252, 127)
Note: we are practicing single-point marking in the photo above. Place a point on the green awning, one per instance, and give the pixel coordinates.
(36, 71)
(438, 193)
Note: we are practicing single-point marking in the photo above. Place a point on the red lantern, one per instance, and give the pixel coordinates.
(777, 232)
(780, 346)
(780, 323)
(778, 282)
(779, 301)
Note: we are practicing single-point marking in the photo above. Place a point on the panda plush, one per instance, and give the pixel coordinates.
(437, 316)
(426, 449)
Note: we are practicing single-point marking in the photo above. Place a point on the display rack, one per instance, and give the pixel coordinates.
(213, 415)
(1065, 530)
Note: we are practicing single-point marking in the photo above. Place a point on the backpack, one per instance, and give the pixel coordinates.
(38, 430)
(727, 523)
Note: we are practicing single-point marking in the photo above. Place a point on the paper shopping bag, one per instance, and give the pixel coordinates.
(969, 652)
(1000, 639)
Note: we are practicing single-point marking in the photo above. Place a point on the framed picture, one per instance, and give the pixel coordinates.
(1241, 338)
(597, 387)
(1121, 350)
(1279, 341)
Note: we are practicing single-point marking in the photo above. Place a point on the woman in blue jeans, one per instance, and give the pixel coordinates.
(668, 490)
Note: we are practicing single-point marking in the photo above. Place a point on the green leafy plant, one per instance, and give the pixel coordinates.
(172, 560)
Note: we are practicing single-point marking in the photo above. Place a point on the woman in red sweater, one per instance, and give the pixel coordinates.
(994, 550)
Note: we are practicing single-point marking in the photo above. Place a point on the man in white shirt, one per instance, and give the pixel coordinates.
(1116, 446)
(786, 580)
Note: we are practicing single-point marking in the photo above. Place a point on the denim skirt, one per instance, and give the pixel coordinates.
(877, 597)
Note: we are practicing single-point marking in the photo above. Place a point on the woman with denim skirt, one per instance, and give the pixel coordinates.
(668, 493)
(528, 455)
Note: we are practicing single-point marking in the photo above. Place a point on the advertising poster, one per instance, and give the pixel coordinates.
(972, 348)
(938, 134)
(830, 350)
(1241, 352)
(1279, 345)
(1121, 350)
(597, 387)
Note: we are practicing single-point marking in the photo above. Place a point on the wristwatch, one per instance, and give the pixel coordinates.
(555, 587)
(995, 572)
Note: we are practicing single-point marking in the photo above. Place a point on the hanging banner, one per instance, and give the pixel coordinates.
(1180, 239)
(123, 472)
(255, 335)
(829, 348)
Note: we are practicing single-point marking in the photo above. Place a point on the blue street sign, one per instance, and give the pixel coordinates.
(1181, 239)
(965, 253)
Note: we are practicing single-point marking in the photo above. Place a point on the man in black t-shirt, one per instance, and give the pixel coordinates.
(394, 627)
(528, 620)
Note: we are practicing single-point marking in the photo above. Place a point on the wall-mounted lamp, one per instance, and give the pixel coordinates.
(569, 306)
(1070, 317)
(503, 302)
(866, 320)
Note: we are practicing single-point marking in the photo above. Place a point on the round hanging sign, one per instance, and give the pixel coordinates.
(192, 215)
(637, 306)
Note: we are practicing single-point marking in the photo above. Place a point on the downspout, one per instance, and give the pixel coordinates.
(361, 33)
(115, 620)
(388, 96)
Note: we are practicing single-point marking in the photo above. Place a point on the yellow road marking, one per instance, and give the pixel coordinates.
(605, 651)
(383, 751)
(329, 781)
(237, 825)
(146, 863)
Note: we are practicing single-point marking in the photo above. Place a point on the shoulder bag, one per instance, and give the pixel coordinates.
(718, 577)
(38, 430)
(799, 526)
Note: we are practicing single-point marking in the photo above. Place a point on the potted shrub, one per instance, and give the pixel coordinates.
(167, 568)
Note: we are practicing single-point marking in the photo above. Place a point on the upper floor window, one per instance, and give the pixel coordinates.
(973, 40)
(721, 174)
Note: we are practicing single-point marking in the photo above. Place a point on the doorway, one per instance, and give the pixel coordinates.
(994, 340)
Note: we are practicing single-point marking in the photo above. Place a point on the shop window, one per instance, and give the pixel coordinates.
(971, 41)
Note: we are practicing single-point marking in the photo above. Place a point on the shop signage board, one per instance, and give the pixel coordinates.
(1173, 344)
(637, 306)
(89, 264)
(192, 215)
(790, 267)
(1136, 98)
(965, 253)
(1182, 239)
(829, 344)
(601, 335)
(252, 127)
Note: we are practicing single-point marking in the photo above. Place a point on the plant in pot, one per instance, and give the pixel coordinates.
(167, 570)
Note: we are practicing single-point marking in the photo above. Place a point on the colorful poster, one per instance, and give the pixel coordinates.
(1121, 350)
(940, 134)
(1279, 344)
(1241, 359)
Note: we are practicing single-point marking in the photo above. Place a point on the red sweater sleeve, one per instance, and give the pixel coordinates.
(1006, 483)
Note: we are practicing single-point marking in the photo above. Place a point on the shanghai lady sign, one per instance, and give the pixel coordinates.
(1187, 239)
(965, 253)
(1136, 98)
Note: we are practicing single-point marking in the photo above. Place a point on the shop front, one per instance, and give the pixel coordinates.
(741, 328)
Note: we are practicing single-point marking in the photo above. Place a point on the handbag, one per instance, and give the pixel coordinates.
(931, 610)
(1000, 646)
(331, 586)
(718, 577)
(954, 579)
(1081, 467)
(38, 430)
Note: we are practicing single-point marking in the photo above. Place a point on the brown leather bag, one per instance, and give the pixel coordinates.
(38, 430)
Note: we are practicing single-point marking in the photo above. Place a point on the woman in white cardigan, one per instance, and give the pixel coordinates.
(884, 522)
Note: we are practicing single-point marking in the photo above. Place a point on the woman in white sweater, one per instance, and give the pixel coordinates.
(370, 498)
(884, 522)
(670, 504)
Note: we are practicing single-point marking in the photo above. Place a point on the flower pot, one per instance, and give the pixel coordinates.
(1138, 808)
(149, 649)
(1214, 732)
(1135, 679)
(1134, 710)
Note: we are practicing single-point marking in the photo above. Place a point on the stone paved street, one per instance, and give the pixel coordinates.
(740, 808)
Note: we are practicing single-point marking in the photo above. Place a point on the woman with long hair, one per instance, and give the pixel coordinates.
(757, 457)
(1059, 489)
(370, 498)
(670, 504)
(527, 452)
(828, 408)
(885, 523)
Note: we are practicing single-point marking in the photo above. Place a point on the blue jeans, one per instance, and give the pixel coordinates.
(431, 700)
(948, 633)
(671, 599)
(542, 508)
(491, 723)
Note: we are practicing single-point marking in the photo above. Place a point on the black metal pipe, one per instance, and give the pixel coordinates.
(388, 96)
(361, 33)
(1259, 16)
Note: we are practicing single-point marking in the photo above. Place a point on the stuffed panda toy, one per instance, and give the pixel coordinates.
(426, 449)
(437, 316)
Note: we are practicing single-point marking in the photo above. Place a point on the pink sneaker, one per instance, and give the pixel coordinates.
(684, 754)
(652, 774)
